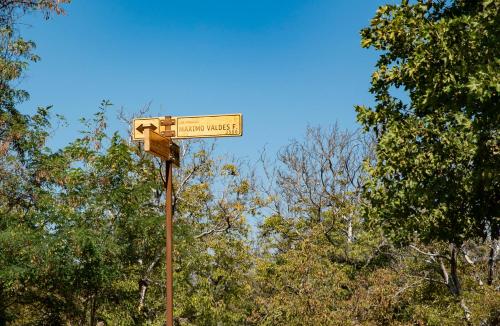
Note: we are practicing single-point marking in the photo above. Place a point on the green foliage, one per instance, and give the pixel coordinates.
(15, 55)
(91, 230)
(82, 228)
(437, 152)
(434, 180)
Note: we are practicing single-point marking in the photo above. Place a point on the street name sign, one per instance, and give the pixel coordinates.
(227, 125)
(222, 125)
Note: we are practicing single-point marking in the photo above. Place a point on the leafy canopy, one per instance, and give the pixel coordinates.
(436, 120)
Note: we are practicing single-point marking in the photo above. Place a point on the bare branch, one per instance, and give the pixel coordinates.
(430, 254)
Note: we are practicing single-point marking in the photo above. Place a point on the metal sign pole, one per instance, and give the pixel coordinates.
(157, 135)
(169, 235)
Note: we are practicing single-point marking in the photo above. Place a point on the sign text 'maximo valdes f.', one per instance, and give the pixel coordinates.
(225, 125)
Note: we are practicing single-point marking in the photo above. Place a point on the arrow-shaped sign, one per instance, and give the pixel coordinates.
(142, 127)
(141, 124)
(161, 146)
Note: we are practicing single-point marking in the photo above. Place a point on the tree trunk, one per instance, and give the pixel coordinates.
(93, 310)
(466, 310)
(3, 317)
(492, 261)
(143, 287)
(454, 283)
(350, 236)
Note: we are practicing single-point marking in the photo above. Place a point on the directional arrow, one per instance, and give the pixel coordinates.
(142, 127)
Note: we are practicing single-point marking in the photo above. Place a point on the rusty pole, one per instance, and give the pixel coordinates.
(169, 249)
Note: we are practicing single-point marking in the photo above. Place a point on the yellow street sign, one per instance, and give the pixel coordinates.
(223, 125)
(160, 146)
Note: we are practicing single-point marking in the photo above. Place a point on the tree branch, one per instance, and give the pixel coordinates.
(430, 254)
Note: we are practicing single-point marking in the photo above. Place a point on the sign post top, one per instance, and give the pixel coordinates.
(160, 146)
(223, 125)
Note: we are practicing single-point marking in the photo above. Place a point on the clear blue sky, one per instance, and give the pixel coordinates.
(283, 64)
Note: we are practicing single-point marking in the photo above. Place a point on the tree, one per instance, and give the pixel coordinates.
(313, 242)
(15, 55)
(437, 155)
(81, 229)
(82, 233)
(21, 138)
